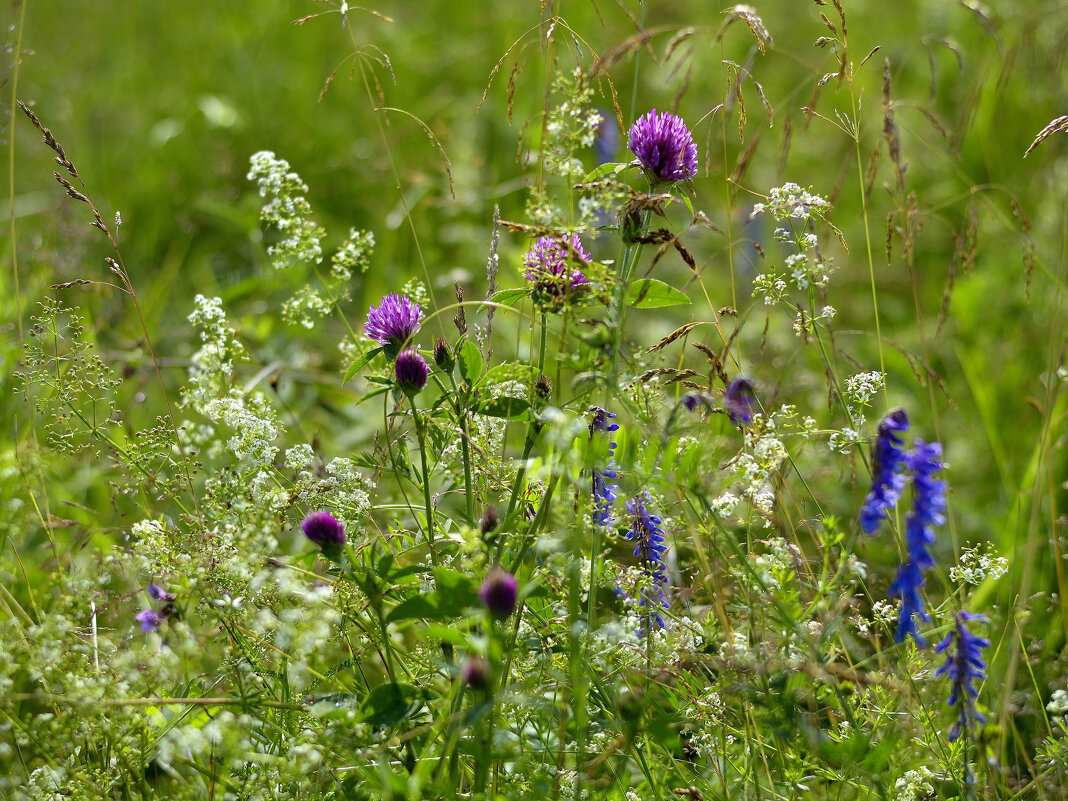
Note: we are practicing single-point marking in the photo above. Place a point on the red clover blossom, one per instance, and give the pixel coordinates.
(551, 265)
(411, 371)
(664, 147)
(394, 321)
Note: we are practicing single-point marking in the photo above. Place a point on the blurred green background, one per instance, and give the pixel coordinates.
(161, 104)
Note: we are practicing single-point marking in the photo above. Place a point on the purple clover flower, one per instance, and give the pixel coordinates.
(149, 619)
(552, 266)
(929, 503)
(740, 399)
(964, 666)
(887, 481)
(604, 494)
(476, 673)
(323, 529)
(664, 147)
(499, 593)
(649, 548)
(394, 322)
(411, 371)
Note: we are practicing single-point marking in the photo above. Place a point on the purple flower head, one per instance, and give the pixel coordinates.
(149, 619)
(604, 494)
(964, 666)
(499, 593)
(929, 503)
(664, 147)
(411, 371)
(323, 529)
(740, 398)
(887, 481)
(552, 265)
(394, 322)
(476, 673)
(157, 593)
(649, 549)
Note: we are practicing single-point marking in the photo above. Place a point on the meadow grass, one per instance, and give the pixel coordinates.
(399, 408)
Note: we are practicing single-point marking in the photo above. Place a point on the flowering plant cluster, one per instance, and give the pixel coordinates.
(582, 529)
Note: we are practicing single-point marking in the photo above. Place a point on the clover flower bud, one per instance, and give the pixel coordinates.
(489, 521)
(499, 592)
(323, 529)
(442, 355)
(411, 371)
(476, 673)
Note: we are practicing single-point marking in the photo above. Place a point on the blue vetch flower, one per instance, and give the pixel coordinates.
(604, 494)
(149, 619)
(964, 666)
(929, 503)
(887, 481)
(740, 399)
(157, 593)
(649, 547)
(664, 147)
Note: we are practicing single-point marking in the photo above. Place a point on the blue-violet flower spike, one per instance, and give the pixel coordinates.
(929, 503)
(664, 147)
(649, 549)
(887, 481)
(604, 494)
(964, 666)
(157, 593)
(394, 321)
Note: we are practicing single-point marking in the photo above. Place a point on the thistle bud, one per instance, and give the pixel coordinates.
(411, 371)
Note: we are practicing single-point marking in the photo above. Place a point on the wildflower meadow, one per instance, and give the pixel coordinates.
(557, 399)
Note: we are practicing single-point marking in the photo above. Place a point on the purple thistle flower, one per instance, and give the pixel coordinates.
(149, 619)
(394, 322)
(649, 548)
(929, 503)
(740, 398)
(604, 494)
(887, 481)
(411, 371)
(499, 593)
(552, 266)
(964, 666)
(323, 529)
(664, 147)
(157, 593)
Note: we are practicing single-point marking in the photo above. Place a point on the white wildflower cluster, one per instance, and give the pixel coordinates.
(212, 365)
(415, 290)
(340, 487)
(791, 202)
(305, 307)
(806, 324)
(254, 427)
(1058, 703)
(354, 255)
(287, 211)
(771, 287)
(570, 127)
(860, 389)
(778, 565)
(845, 441)
(915, 785)
(978, 564)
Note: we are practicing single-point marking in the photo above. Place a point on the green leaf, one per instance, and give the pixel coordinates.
(606, 169)
(506, 408)
(372, 393)
(389, 704)
(648, 293)
(421, 607)
(455, 594)
(470, 361)
(359, 364)
(509, 297)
